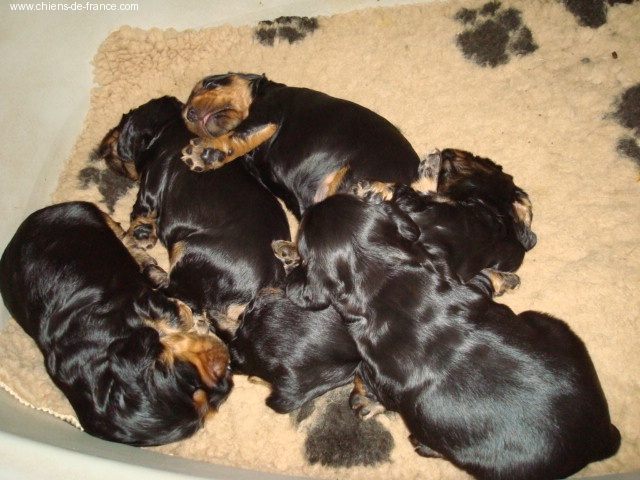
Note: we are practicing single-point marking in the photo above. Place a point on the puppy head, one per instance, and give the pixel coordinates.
(122, 146)
(346, 246)
(464, 176)
(219, 103)
(158, 389)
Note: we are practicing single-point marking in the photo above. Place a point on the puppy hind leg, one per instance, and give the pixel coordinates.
(148, 265)
(422, 450)
(363, 402)
(209, 153)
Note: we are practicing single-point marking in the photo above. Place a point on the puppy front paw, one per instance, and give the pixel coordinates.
(373, 191)
(205, 154)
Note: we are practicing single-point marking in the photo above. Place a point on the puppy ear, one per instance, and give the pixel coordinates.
(304, 291)
(522, 216)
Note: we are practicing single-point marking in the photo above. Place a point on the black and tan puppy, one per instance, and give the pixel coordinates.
(303, 144)
(478, 217)
(500, 395)
(485, 224)
(301, 353)
(123, 354)
(217, 226)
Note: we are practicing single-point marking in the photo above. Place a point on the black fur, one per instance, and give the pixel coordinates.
(222, 222)
(473, 219)
(301, 353)
(500, 395)
(75, 289)
(317, 135)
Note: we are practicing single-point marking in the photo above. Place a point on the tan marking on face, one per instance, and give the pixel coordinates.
(208, 354)
(219, 109)
(524, 211)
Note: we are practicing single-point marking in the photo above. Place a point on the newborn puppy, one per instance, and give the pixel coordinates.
(500, 395)
(301, 353)
(304, 145)
(217, 226)
(123, 354)
(478, 217)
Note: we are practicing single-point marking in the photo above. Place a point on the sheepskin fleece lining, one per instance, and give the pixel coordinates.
(524, 82)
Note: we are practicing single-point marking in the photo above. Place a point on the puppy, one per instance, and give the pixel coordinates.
(301, 353)
(500, 395)
(217, 226)
(471, 209)
(303, 145)
(121, 352)
(485, 224)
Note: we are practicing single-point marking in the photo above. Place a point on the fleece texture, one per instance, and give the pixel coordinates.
(545, 88)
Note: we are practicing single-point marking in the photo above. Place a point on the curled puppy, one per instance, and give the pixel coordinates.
(304, 145)
(301, 353)
(124, 355)
(474, 211)
(217, 226)
(500, 395)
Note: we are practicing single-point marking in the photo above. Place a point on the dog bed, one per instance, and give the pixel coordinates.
(546, 88)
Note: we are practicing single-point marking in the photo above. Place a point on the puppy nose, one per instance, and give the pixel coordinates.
(192, 115)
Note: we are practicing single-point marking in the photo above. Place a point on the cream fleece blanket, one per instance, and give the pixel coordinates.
(551, 94)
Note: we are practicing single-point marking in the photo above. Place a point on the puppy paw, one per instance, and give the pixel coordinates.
(428, 172)
(502, 282)
(287, 253)
(422, 450)
(156, 276)
(144, 235)
(372, 191)
(205, 154)
(365, 405)
(201, 325)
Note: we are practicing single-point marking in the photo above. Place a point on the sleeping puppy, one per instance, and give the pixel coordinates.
(500, 395)
(478, 217)
(301, 353)
(217, 226)
(124, 355)
(302, 144)
(479, 227)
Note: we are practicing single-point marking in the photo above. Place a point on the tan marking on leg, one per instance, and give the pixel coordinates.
(175, 254)
(148, 265)
(206, 153)
(330, 184)
(287, 252)
(502, 281)
(363, 402)
(142, 220)
(259, 381)
(373, 190)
